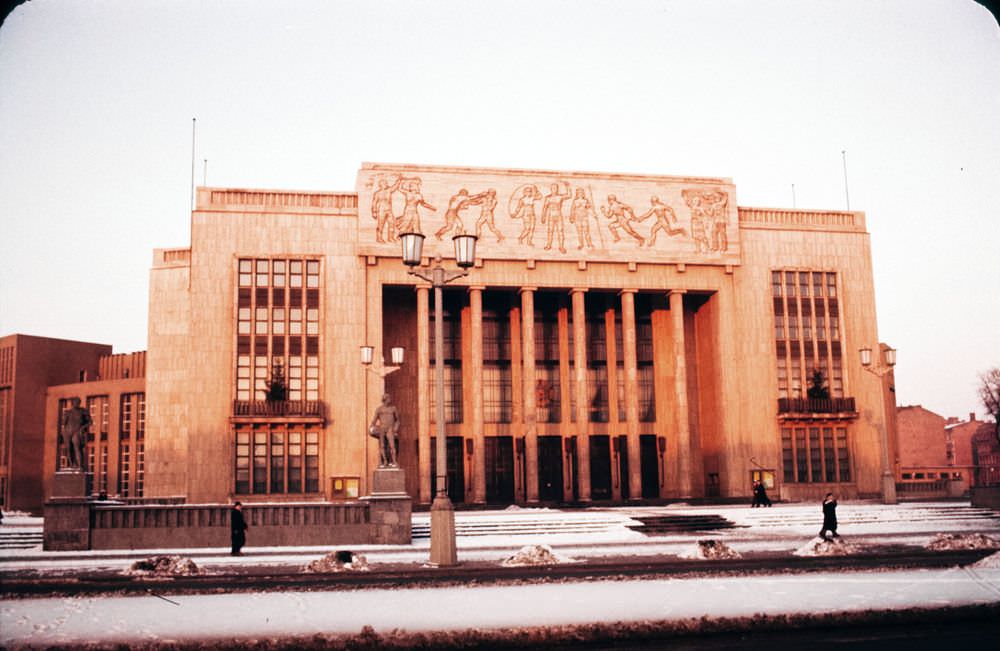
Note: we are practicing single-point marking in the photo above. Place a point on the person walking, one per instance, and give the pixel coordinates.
(829, 517)
(756, 495)
(760, 497)
(237, 528)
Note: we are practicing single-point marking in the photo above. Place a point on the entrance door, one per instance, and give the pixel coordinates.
(600, 467)
(550, 469)
(622, 452)
(649, 463)
(500, 469)
(456, 468)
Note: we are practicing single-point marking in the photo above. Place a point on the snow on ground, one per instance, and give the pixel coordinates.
(147, 618)
(827, 547)
(163, 566)
(946, 541)
(339, 561)
(596, 533)
(535, 555)
(990, 562)
(709, 550)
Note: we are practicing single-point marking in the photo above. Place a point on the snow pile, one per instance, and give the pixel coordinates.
(535, 555)
(947, 541)
(163, 566)
(710, 550)
(339, 561)
(991, 562)
(822, 547)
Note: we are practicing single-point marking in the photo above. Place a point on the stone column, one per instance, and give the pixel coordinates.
(614, 428)
(684, 466)
(423, 395)
(580, 386)
(517, 400)
(528, 380)
(631, 393)
(476, 382)
(565, 390)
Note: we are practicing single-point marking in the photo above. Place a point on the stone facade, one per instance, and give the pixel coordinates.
(620, 337)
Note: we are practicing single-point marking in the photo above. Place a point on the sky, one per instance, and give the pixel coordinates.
(97, 100)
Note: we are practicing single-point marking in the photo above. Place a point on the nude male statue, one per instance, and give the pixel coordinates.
(385, 427)
(75, 422)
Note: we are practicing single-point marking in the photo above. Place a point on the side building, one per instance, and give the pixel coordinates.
(28, 366)
(621, 337)
(114, 452)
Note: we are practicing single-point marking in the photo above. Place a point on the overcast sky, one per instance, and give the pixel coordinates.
(96, 102)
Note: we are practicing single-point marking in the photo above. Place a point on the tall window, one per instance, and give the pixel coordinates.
(277, 461)
(452, 344)
(548, 390)
(597, 368)
(644, 357)
(278, 326)
(497, 383)
(815, 454)
(807, 331)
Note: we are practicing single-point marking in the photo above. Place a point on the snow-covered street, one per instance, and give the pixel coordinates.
(596, 535)
(274, 614)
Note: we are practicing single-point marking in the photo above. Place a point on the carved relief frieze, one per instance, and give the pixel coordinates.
(555, 215)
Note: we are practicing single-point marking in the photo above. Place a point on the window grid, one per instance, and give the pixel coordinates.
(806, 330)
(277, 462)
(815, 454)
(278, 325)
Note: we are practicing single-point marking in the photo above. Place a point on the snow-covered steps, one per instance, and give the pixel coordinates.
(531, 523)
(20, 539)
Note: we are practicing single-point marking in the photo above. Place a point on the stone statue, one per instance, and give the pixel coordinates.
(75, 422)
(385, 428)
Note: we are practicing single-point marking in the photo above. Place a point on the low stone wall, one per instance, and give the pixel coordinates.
(100, 525)
(986, 497)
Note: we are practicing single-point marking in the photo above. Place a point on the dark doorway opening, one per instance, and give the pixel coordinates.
(499, 469)
(600, 467)
(622, 452)
(455, 460)
(550, 469)
(649, 463)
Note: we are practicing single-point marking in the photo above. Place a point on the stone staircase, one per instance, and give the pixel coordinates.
(20, 538)
(526, 525)
(801, 516)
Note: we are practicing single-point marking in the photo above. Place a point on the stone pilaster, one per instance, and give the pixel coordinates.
(423, 397)
(580, 386)
(476, 383)
(631, 393)
(684, 466)
(529, 381)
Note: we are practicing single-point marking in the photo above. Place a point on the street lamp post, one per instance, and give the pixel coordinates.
(881, 369)
(443, 549)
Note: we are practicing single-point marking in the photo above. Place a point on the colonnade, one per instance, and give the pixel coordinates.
(670, 384)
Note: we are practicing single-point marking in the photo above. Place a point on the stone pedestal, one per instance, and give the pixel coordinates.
(69, 484)
(390, 508)
(389, 481)
(67, 513)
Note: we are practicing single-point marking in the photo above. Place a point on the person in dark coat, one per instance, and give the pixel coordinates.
(760, 497)
(756, 494)
(829, 517)
(238, 528)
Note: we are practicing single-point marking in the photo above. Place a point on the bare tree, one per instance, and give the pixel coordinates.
(989, 395)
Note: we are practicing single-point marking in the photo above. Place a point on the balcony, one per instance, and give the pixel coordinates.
(279, 411)
(817, 408)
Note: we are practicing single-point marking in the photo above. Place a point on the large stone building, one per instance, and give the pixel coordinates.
(620, 337)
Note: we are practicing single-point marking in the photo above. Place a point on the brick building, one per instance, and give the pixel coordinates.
(28, 366)
(620, 337)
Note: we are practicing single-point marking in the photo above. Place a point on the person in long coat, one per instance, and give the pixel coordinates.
(237, 528)
(829, 517)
